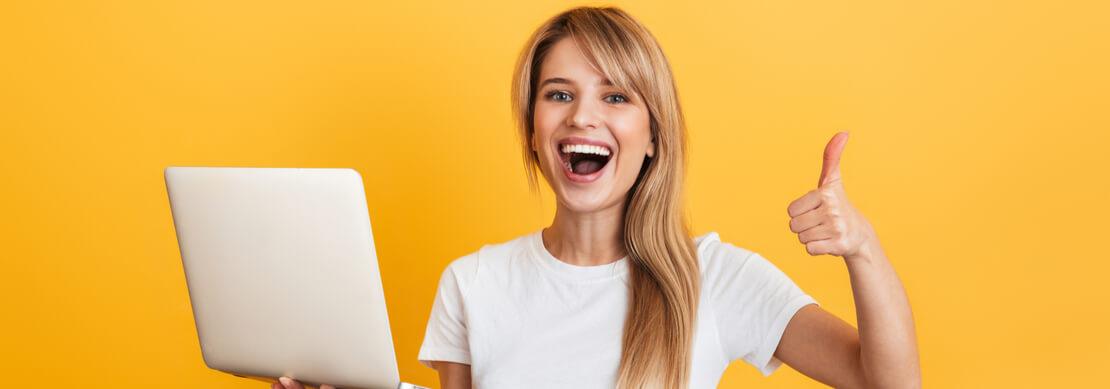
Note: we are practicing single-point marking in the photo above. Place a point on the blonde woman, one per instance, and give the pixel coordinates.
(615, 292)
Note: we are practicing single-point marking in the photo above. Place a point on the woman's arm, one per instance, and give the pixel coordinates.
(888, 342)
(883, 353)
(452, 375)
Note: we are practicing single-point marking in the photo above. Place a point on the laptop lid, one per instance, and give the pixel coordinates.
(282, 274)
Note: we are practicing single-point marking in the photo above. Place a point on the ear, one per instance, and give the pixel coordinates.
(651, 148)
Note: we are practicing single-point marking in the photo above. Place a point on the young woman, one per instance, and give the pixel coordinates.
(615, 292)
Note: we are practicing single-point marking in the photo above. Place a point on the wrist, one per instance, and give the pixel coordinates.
(869, 253)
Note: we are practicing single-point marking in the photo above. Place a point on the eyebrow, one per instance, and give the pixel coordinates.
(560, 80)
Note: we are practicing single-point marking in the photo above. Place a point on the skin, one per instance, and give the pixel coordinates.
(883, 352)
(587, 231)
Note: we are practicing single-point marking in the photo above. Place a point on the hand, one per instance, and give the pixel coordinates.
(289, 383)
(824, 219)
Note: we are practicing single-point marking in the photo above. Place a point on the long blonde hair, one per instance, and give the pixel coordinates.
(664, 276)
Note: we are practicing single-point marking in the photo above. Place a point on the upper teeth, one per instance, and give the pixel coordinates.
(585, 149)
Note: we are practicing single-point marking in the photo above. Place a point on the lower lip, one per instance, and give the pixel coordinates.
(584, 178)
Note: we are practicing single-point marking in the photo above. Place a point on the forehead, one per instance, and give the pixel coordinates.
(566, 60)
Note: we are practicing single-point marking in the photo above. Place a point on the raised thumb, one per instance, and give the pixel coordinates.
(830, 165)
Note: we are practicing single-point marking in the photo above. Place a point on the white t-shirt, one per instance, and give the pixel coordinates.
(521, 318)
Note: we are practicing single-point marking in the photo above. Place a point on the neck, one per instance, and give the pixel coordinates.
(586, 238)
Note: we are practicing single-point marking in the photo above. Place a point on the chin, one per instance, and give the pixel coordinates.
(586, 201)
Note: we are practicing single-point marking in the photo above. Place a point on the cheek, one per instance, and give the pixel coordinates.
(546, 119)
(634, 133)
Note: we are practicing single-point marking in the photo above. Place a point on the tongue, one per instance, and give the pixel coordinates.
(587, 166)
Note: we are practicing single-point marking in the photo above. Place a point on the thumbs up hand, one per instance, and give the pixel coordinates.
(824, 219)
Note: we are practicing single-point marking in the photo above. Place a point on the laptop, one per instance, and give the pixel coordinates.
(282, 274)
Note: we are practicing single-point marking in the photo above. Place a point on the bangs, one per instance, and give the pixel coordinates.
(613, 54)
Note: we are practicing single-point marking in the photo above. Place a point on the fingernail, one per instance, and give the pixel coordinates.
(286, 382)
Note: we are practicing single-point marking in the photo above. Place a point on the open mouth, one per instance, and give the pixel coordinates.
(584, 159)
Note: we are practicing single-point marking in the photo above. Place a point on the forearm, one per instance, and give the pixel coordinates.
(453, 375)
(888, 342)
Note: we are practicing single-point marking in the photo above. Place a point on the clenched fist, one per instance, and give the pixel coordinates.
(824, 219)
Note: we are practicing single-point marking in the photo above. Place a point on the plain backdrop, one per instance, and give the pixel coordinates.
(979, 137)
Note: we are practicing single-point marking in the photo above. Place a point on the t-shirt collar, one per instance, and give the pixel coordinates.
(575, 272)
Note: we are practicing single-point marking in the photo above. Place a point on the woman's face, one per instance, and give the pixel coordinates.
(591, 137)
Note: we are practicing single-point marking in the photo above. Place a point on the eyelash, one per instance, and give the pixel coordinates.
(550, 95)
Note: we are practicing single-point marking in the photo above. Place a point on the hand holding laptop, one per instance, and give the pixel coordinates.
(289, 383)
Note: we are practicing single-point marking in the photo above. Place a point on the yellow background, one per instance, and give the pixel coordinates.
(979, 150)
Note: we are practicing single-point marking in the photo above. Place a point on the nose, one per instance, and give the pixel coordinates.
(584, 115)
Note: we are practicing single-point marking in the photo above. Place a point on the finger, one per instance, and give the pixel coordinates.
(811, 200)
(276, 386)
(821, 232)
(830, 165)
(807, 220)
(290, 383)
(821, 247)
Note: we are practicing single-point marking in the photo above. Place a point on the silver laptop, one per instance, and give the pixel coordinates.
(282, 274)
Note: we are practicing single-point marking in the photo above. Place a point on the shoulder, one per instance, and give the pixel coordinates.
(715, 256)
(750, 299)
(727, 269)
(465, 270)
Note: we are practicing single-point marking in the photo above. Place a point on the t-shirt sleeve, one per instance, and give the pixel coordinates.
(445, 338)
(753, 301)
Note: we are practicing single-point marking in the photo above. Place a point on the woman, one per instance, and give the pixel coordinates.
(615, 293)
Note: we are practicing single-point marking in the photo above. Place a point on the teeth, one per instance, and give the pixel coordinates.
(585, 149)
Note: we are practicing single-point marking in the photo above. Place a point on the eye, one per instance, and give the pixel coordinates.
(558, 95)
(616, 98)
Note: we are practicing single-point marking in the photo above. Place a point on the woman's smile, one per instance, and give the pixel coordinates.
(584, 160)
